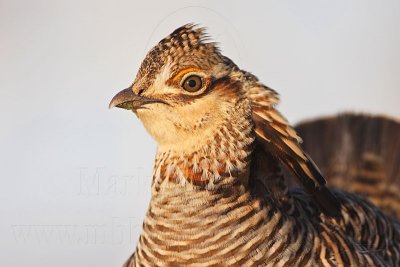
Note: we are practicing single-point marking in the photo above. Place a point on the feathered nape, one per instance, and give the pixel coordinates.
(276, 137)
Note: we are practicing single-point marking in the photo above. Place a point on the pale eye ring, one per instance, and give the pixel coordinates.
(193, 83)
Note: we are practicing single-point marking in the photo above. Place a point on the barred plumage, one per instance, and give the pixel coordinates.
(219, 196)
(360, 154)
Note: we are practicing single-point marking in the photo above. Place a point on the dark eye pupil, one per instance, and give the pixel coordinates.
(192, 83)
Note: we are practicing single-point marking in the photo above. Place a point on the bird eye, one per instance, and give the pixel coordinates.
(192, 83)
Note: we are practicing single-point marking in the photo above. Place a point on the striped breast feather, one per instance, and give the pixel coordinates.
(277, 137)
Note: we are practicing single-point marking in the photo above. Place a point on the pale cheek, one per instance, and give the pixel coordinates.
(158, 126)
(171, 126)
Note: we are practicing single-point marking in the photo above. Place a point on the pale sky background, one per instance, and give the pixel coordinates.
(75, 176)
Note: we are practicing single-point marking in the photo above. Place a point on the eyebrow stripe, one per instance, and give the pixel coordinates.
(176, 78)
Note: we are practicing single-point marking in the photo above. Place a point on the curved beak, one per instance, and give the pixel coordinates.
(127, 99)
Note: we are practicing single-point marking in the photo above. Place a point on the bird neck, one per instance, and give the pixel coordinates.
(199, 203)
(219, 159)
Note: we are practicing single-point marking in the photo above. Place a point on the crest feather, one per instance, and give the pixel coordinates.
(188, 36)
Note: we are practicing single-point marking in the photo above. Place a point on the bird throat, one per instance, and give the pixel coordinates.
(220, 160)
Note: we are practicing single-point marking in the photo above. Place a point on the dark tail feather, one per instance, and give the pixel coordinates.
(358, 153)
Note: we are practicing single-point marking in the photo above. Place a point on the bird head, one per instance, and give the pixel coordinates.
(193, 99)
(186, 89)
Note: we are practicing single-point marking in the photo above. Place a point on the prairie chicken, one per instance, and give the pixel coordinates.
(219, 197)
